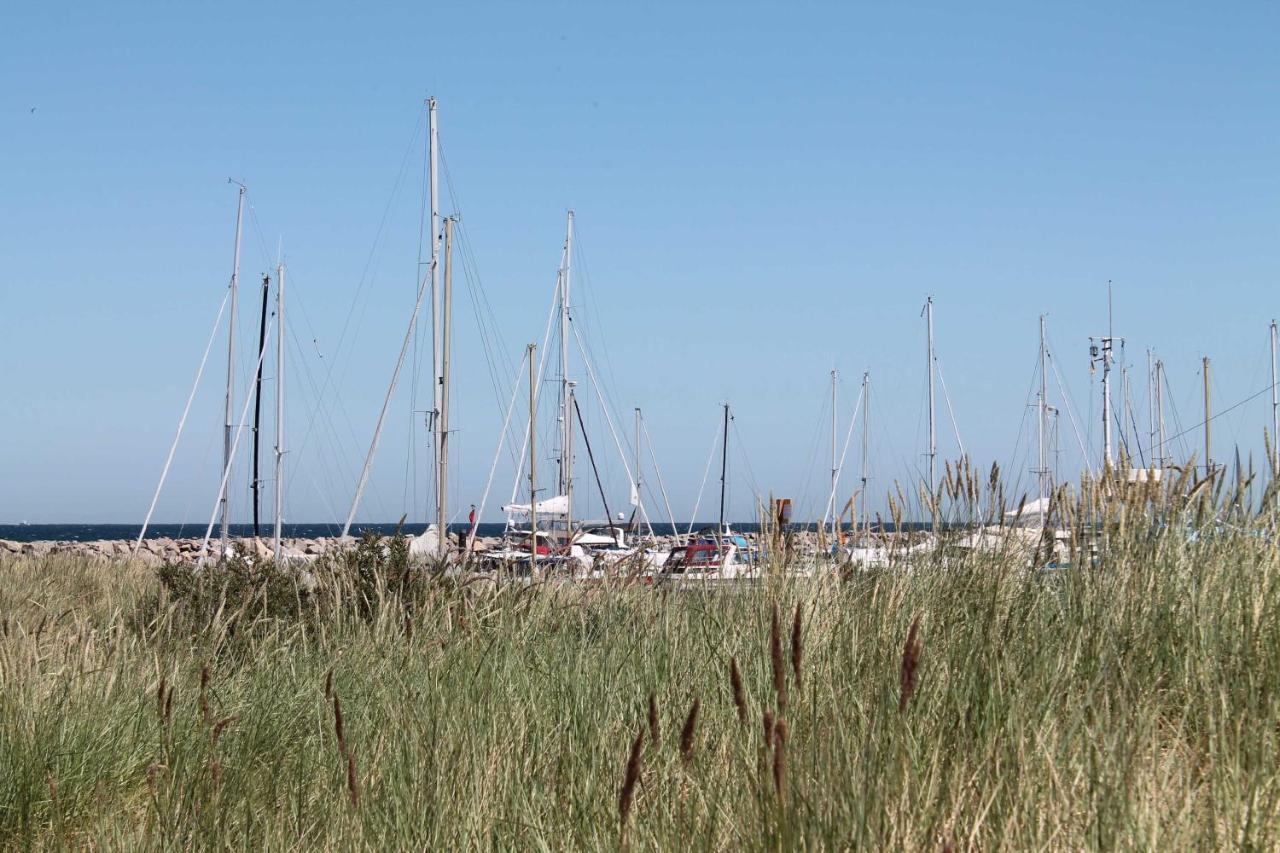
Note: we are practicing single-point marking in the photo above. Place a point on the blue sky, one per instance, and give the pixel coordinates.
(762, 193)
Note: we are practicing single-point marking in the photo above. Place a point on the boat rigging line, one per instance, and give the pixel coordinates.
(182, 422)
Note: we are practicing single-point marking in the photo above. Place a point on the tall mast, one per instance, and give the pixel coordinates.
(933, 432)
(1208, 431)
(434, 193)
(1160, 410)
(1042, 415)
(228, 421)
(1104, 354)
(566, 422)
(1275, 405)
(442, 463)
(1151, 405)
(409, 335)
(533, 462)
(568, 455)
(835, 469)
(866, 438)
(639, 479)
(724, 466)
(256, 482)
(279, 478)
(1106, 385)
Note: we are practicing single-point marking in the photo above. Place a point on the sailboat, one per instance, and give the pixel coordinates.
(546, 531)
(713, 555)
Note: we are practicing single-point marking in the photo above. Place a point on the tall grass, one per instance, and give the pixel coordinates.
(1130, 701)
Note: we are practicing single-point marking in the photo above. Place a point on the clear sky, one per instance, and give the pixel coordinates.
(762, 193)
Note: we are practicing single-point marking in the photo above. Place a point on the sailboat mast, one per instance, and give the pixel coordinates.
(229, 420)
(1151, 405)
(257, 403)
(1042, 415)
(639, 510)
(1160, 409)
(866, 439)
(933, 430)
(566, 422)
(434, 194)
(533, 460)
(1208, 426)
(1107, 456)
(279, 478)
(835, 470)
(442, 463)
(1275, 404)
(724, 466)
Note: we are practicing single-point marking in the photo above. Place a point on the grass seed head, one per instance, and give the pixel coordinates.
(205, 711)
(780, 759)
(655, 734)
(688, 731)
(630, 777)
(160, 692)
(910, 661)
(353, 781)
(339, 729)
(797, 647)
(739, 694)
(775, 659)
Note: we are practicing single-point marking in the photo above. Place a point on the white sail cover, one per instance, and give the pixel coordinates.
(557, 506)
(1039, 506)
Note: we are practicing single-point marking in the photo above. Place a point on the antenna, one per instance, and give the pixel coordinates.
(1101, 351)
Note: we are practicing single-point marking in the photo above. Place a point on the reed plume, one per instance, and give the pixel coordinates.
(160, 694)
(219, 728)
(655, 735)
(739, 694)
(797, 647)
(629, 779)
(353, 781)
(775, 659)
(205, 711)
(688, 731)
(767, 721)
(339, 729)
(328, 684)
(910, 661)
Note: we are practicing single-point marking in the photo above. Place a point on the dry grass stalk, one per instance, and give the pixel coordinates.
(797, 647)
(780, 759)
(688, 731)
(629, 779)
(739, 694)
(353, 781)
(775, 659)
(655, 734)
(910, 661)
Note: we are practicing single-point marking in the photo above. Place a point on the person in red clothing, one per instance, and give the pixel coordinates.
(471, 526)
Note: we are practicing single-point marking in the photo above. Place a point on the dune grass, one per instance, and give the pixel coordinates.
(1129, 703)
